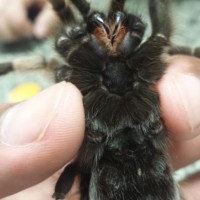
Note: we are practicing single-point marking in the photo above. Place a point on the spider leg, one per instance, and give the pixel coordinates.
(84, 184)
(65, 181)
(6, 68)
(148, 59)
(117, 5)
(20, 64)
(83, 6)
(174, 50)
(64, 12)
(159, 14)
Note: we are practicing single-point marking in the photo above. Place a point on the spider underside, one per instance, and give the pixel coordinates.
(124, 153)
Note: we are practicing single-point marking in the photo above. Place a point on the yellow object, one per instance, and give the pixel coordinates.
(23, 92)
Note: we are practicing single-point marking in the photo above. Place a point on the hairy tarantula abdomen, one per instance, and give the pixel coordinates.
(124, 153)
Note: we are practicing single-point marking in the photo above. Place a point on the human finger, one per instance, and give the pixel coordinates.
(180, 97)
(46, 22)
(39, 136)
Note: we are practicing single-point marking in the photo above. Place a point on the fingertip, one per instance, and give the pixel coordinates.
(179, 96)
(58, 144)
(45, 23)
(172, 109)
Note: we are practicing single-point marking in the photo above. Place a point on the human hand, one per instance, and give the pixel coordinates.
(30, 151)
(182, 75)
(179, 92)
(15, 24)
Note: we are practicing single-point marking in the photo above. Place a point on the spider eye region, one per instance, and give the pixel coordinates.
(113, 31)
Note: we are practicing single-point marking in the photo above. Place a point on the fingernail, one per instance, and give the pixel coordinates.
(26, 122)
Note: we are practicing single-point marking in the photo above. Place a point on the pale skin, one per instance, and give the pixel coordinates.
(15, 25)
(29, 161)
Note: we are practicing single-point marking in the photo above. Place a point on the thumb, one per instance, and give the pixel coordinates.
(180, 97)
(39, 136)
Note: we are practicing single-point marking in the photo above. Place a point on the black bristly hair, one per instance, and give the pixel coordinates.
(124, 153)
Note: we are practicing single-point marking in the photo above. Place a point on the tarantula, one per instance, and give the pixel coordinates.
(124, 153)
